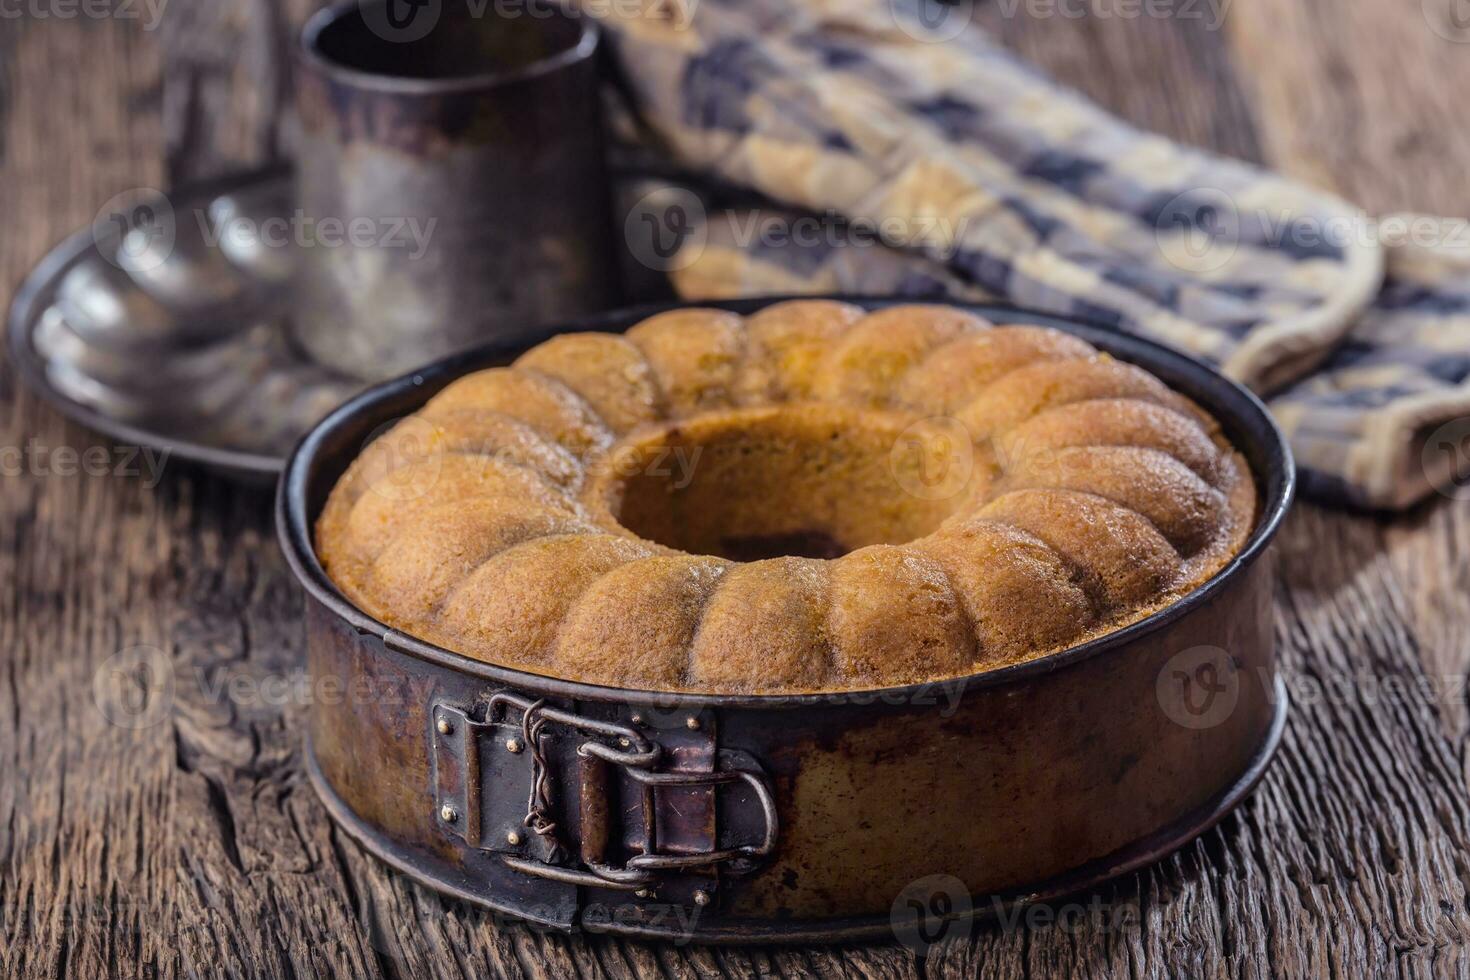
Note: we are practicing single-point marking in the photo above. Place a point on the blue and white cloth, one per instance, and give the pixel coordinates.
(921, 164)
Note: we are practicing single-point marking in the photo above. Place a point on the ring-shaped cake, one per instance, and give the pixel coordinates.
(812, 498)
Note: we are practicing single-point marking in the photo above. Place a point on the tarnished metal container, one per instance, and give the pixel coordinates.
(744, 818)
(451, 179)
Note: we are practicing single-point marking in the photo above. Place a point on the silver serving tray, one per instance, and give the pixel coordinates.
(179, 343)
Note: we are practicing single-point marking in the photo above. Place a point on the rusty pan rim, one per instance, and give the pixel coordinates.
(1086, 878)
(309, 53)
(1243, 415)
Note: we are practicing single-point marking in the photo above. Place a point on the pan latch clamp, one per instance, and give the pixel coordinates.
(602, 803)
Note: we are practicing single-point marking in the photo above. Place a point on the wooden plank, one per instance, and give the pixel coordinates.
(1126, 63)
(1361, 97)
(195, 847)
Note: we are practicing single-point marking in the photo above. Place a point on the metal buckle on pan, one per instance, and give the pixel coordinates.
(480, 782)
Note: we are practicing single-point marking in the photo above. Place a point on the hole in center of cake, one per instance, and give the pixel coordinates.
(813, 481)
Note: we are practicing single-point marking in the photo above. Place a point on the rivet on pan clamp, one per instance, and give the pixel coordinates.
(444, 727)
(644, 893)
(691, 723)
(513, 745)
(701, 898)
(636, 718)
(513, 839)
(448, 813)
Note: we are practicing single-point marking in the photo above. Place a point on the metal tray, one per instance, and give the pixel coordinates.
(186, 352)
(789, 819)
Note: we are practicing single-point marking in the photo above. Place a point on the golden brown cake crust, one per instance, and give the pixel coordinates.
(808, 499)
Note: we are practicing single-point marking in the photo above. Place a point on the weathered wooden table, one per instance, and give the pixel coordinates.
(195, 847)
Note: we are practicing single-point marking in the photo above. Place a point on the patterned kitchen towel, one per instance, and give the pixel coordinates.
(915, 162)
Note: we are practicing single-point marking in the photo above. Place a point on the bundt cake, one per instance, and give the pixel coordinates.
(806, 499)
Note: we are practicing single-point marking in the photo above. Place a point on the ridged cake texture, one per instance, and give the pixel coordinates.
(809, 498)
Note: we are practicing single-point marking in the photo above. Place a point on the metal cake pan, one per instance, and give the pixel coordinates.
(777, 818)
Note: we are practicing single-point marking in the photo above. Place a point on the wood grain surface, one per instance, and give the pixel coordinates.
(194, 847)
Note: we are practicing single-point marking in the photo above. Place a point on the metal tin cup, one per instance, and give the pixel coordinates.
(452, 188)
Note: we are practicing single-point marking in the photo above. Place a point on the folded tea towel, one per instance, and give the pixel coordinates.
(920, 163)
